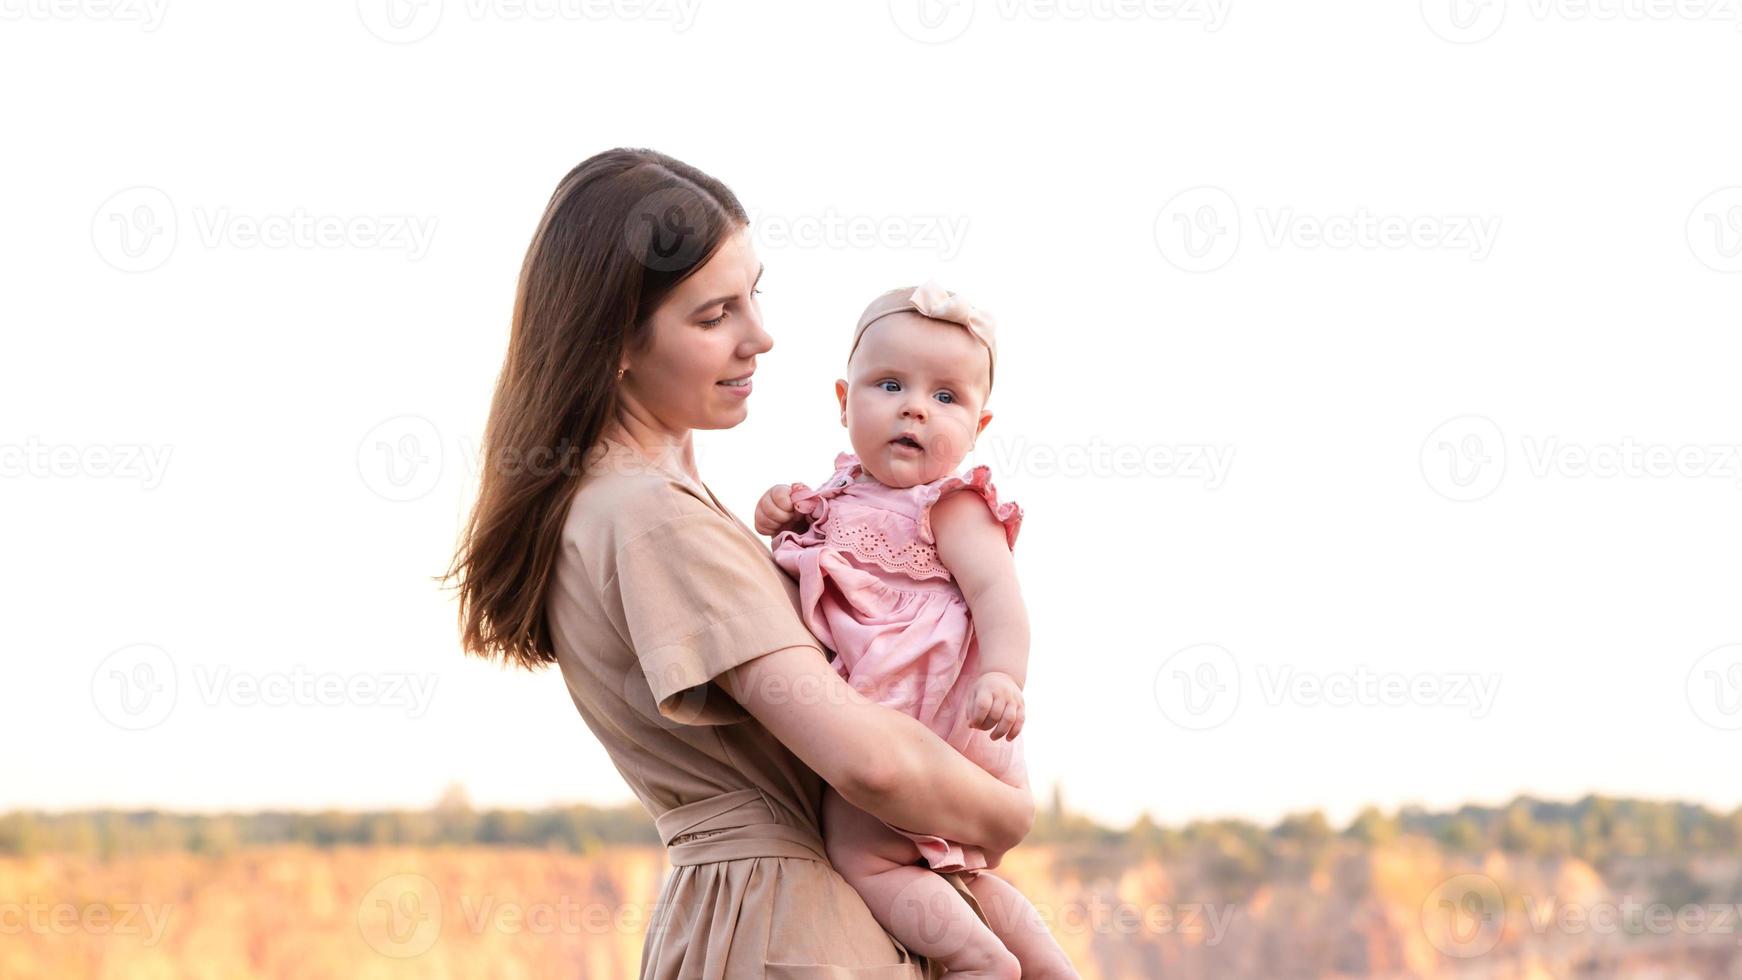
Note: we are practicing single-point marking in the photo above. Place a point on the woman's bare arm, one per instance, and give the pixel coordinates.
(878, 759)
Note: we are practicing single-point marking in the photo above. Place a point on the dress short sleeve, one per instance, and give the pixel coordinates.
(699, 597)
(978, 480)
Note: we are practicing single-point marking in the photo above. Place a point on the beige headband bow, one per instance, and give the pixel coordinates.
(934, 301)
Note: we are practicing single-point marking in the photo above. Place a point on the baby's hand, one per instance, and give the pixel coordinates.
(774, 511)
(996, 703)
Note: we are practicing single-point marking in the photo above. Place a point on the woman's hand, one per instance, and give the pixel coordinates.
(1022, 815)
(774, 512)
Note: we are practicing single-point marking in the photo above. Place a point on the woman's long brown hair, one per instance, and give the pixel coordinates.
(622, 230)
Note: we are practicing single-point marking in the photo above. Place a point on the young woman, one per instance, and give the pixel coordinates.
(596, 545)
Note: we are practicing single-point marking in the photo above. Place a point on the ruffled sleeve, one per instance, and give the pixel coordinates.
(814, 503)
(979, 480)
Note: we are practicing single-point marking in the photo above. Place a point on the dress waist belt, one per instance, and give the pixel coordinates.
(730, 826)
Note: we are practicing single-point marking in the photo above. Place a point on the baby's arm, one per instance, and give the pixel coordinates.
(973, 546)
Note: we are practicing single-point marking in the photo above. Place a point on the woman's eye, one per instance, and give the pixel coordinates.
(715, 321)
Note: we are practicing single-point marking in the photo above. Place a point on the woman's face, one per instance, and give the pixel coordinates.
(706, 333)
(912, 401)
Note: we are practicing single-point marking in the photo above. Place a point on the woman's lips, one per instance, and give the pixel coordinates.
(739, 387)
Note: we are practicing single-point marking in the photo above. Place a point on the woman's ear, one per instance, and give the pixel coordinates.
(841, 396)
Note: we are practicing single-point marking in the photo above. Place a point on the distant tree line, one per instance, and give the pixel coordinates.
(1596, 829)
(109, 833)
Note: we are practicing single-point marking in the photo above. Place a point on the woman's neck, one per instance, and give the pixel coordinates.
(659, 445)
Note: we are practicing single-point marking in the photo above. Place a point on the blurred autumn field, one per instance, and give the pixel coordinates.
(1599, 888)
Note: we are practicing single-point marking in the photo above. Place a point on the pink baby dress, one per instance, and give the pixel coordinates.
(872, 589)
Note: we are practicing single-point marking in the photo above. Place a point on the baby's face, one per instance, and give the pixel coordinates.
(920, 378)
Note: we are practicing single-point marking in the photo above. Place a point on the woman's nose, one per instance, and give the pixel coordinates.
(759, 341)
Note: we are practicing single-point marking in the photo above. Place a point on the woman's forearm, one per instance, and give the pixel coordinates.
(924, 785)
(880, 760)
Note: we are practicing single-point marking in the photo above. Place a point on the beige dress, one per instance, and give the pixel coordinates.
(658, 589)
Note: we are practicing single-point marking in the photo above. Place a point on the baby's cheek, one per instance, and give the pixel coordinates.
(951, 443)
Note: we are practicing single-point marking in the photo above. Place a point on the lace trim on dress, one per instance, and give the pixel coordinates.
(917, 559)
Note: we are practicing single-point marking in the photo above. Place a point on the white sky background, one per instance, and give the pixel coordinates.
(1031, 161)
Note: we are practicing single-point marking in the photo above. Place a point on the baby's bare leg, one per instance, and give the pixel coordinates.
(912, 903)
(1019, 926)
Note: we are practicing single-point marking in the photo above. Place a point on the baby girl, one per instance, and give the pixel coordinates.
(912, 585)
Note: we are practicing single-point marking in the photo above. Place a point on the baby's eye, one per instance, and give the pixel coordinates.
(889, 381)
(948, 398)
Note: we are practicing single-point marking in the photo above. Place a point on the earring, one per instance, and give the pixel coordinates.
(620, 373)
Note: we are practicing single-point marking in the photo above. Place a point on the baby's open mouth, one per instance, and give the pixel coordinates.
(907, 441)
